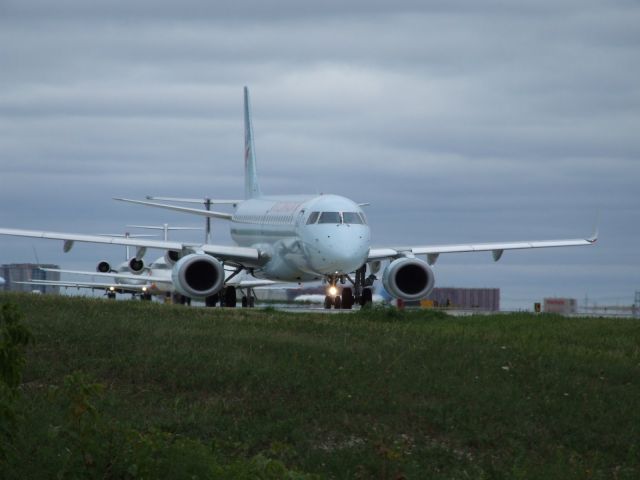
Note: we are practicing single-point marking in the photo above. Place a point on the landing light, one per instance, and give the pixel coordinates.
(112, 289)
(333, 291)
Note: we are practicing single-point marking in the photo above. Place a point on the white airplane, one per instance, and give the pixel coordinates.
(157, 280)
(152, 281)
(134, 276)
(2, 282)
(293, 238)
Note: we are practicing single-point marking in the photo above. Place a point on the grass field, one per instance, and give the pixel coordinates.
(373, 394)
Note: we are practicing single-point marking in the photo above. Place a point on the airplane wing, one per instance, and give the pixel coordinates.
(114, 275)
(433, 251)
(92, 285)
(246, 282)
(241, 255)
(254, 283)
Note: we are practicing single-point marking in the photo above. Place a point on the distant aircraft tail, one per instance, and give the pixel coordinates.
(251, 187)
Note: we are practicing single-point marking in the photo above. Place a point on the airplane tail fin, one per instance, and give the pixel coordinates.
(251, 187)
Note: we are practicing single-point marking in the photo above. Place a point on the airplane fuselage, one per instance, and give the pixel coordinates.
(305, 237)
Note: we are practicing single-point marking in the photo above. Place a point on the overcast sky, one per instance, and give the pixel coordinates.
(459, 121)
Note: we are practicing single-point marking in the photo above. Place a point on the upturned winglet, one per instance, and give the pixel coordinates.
(596, 230)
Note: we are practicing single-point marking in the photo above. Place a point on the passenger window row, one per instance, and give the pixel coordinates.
(268, 219)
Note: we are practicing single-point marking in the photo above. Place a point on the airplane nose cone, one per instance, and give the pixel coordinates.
(341, 249)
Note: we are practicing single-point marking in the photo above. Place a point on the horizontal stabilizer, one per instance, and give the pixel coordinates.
(200, 201)
(157, 227)
(176, 208)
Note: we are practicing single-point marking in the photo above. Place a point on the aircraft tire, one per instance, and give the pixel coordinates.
(230, 298)
(328, 302)
(212, 300)
(367, 297)
(337, 302)
(347, 298)
(245, 302)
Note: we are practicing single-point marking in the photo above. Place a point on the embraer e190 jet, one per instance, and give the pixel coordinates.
(295, 239)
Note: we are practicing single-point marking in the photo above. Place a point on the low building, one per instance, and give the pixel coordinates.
(563, 306)
(481, 299)
(26, 272)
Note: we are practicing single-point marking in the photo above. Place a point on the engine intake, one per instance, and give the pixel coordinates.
(103, 267)
(198, 276)
(408, 279)
(135, 265)
(172, 256)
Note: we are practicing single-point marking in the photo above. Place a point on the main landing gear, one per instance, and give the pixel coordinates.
(361, 292)
(228, 297)
(249, 301)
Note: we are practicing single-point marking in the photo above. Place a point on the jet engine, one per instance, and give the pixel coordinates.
(198, 276)
(171, 257)
(103, 267)
(135, 265)
(408, 278)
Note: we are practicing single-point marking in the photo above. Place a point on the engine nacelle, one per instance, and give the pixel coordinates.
(103, 267)
(135, 265)
(198, 276)
(408, 279)
(171, 257)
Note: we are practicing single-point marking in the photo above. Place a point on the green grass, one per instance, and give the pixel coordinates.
(372, 394)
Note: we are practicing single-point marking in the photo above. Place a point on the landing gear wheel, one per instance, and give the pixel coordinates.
(367, 297)
(230, 299)
(212, 300)
(337, 302)
(183, 300)
(245, 302)
(252, 301)
(328, 301)
(347, 298)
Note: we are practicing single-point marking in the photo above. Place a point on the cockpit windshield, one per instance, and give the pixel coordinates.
(313, 218)
(348, 218)
(330, 217)
(352, 217)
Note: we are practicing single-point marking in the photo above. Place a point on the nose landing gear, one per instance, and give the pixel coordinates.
(332, 298)
(361, 293)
